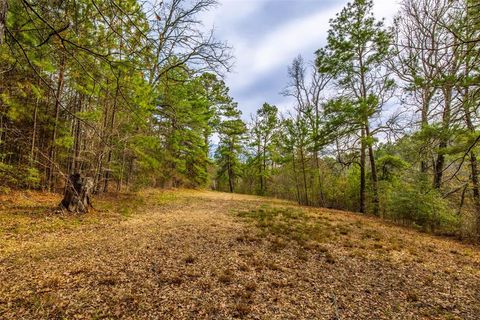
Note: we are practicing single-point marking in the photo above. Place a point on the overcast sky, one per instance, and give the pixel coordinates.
(267, 35)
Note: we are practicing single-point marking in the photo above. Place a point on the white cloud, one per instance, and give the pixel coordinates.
(257, 56)
(386, 9)
(261, 55)
(229, 12)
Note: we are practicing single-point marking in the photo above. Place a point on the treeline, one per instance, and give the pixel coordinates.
(122, 91)
(385, 120)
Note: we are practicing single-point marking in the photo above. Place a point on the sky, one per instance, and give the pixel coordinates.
(266, 35)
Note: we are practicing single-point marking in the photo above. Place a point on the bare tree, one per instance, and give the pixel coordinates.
(307, 86)
(176, 32)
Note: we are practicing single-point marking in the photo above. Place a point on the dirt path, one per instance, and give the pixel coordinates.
(188, 255)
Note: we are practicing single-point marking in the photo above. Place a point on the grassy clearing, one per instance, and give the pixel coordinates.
(195, 254)
(337, 233)
(27, 216)
(34, 212)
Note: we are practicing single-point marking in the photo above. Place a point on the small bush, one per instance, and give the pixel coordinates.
(420, 204)
(18, 176)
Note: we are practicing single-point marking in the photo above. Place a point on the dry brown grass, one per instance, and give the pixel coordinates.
(188, 254)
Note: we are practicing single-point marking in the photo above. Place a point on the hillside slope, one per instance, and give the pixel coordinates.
(206, 255)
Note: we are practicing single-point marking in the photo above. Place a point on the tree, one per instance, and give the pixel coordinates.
(84, 90)
(308, 96)
(263, 128)
(358, 46)
(231, 131)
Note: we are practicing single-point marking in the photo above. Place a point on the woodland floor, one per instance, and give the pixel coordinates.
(206, 255)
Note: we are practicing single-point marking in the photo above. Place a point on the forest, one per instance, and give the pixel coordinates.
(385, 119)
(137, 183)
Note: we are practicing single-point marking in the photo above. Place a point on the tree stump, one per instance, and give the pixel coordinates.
(77, 194)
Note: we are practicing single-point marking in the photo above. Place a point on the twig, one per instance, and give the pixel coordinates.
(337, 314)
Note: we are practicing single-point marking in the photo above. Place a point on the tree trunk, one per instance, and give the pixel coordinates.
(373, 167)
(426, 97)
(231, 178)
(110, 140)
(52, 153)
(475, 188)
(320, 182)
(260, 154)
(467, 104)
(264, 169)
(440, 162)
(3, 18)
(102, 147)
(296, 178)
(362, 172)
(77, 194)
(34, 133)
(302, 159)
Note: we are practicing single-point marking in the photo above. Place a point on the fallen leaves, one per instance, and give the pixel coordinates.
(186, 254)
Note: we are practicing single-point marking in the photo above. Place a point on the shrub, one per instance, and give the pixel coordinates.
(418, 203)
(18, 176)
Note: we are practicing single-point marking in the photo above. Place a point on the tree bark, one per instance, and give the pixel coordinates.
(373, 167)
(362, 172)
(296, 178)
(110, 140)
(3, 18)
(231, 178)
(440, 161)
(302, 159)
(52, 153)
(426, 98)
(77, 194)
(34, 133)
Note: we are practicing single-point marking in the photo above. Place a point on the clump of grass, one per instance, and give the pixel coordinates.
(226, 277)
(189, 259)
(343, 230)
(329, 258)
(289, 224)
(250, 286)
(412, 296)
(371, 234)
(242, 309)
(243, 267)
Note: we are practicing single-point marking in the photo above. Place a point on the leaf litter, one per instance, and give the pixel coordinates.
(186, 254)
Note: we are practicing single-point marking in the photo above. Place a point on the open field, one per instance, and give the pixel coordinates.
(207, 255)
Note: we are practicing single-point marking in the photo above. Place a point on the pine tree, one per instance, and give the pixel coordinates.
(264, 127)
(358, 46)
(231, 131)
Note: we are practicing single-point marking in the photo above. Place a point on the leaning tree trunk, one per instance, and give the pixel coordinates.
(77, 194)
(3, 18)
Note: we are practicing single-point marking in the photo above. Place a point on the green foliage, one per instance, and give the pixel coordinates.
(416, 202)
(263, 131)
(389, 165)
(231, 131)
(19, 176)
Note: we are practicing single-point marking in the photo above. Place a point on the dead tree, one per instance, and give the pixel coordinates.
(77, 194)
